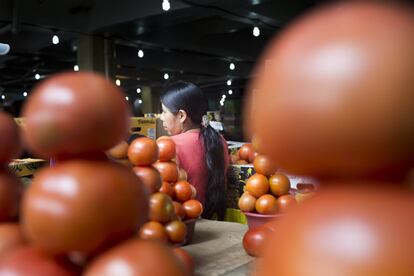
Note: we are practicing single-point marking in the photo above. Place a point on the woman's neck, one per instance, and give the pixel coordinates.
(191, 128)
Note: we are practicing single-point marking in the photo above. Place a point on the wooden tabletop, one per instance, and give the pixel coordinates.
(218, 250)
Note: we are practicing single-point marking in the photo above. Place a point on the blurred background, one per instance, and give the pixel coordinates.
(142, 45)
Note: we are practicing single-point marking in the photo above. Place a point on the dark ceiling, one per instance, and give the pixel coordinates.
(195, 40)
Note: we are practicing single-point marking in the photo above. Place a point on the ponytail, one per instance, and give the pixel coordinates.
(216, 185)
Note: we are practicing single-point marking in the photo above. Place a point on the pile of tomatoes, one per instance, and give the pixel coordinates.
(337, 86)
(266, 192)
(172, 198)
(82, 215)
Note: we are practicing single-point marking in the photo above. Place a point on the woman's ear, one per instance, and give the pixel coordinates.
(182, 115)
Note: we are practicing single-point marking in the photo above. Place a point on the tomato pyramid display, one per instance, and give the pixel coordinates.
(84, 212)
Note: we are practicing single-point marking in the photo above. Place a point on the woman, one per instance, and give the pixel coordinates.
(201, 150)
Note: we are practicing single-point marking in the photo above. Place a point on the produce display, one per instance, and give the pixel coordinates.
(266, 192)
(332, 98)
(172, 200)
(83, 214)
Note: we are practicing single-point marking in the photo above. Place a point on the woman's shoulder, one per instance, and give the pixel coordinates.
(186, 137)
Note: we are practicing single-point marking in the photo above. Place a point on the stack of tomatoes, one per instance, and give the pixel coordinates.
(82, 214)
(339, 92)
(266, 192)
(172, 200)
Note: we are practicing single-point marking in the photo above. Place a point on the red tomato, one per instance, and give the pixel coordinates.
(137, 257)
(241, 162)
(257, 185)
(246, 152)
(10, 138)
(186, 259)
(182, 191)
(193, 192)
(161, 207)
(143, 151)
(271, 226)
(153, 230)
(168, 171)
(179, 210)
(166, 148)
(324, 67)
(247, 202)
(177, 231)
(119, 151)
(72, 113)
(266, 204)
(182, 174)
(355, 228)
(279, 184)
(63, 203)
(27, 260)
(10, 237)
(263, 165)
(167, 188)
(193, 208)
(149, 176)
(286, 202)
(254, 240)
(10, 193)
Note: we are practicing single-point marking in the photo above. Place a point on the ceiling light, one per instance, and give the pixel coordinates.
(24, 94)
(140, 101)
(76, 68)
(3, 97)
(118, 82)
(229, 82)
(224, 96)
(126, 98)
(232, 66)
(166, 5)
(230, 92)
(138, 90)
(37, 76)
(256, 31)
(166, 76)
(55, 39)
(140, 53)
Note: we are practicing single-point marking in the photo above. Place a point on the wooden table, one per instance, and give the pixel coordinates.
(218, 250)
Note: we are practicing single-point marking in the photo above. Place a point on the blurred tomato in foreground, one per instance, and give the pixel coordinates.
(25, 261)
(352, 229)
(10, 138)
(83, 205)
(10, 237)
(333, 93)
(137, 257)
(72, 113)
(11, 190)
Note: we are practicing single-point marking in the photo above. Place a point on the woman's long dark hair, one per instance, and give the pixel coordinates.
(190, 98)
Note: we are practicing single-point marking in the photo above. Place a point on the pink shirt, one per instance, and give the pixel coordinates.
(191, 157)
